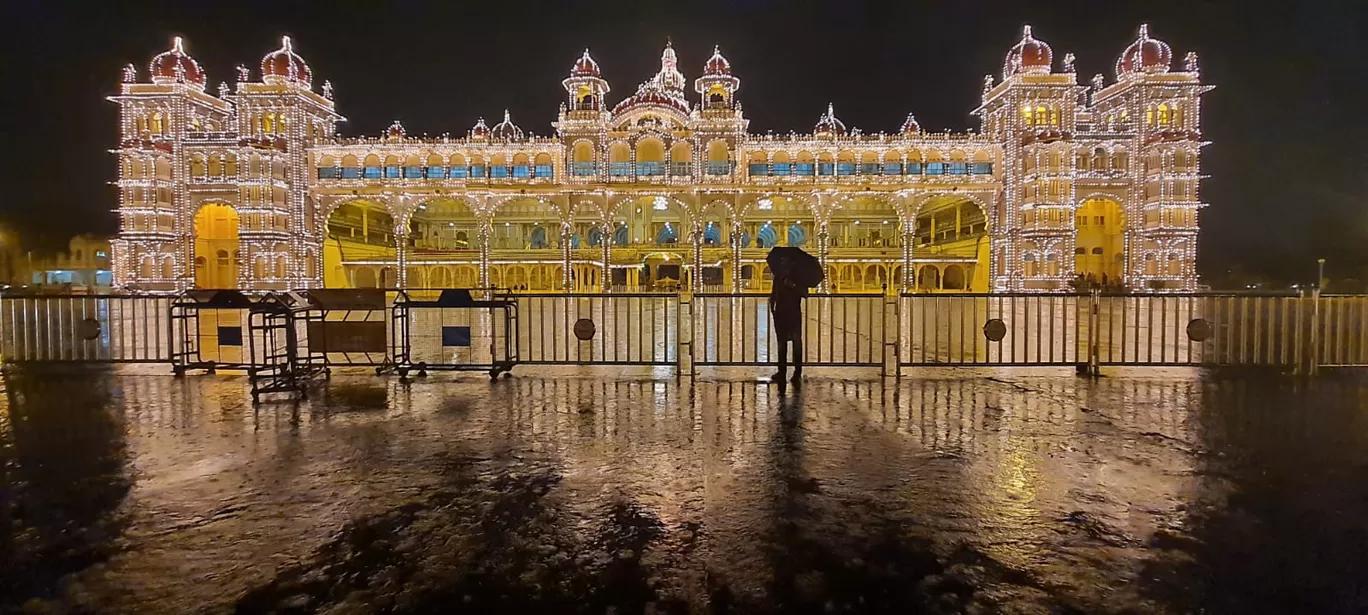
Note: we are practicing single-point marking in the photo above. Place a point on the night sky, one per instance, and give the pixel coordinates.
(1289, 175)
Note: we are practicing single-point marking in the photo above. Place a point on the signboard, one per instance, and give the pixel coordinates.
(347, 336)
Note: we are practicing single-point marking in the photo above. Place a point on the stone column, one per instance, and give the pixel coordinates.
(909, 238)
(401, 255)
(823, 251)
(606, 279)
(567, 255)
(483, 236)
(736, 232)
(696, 256)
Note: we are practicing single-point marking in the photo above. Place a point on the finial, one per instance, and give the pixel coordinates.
(130, 74)
(1189, 62)
(831, 110)
(177, 45)
(327, 89)
(1144, 31)
(1098, 81)
(285, 43)
(669, 44)
(1068, 62)
(1026, 31)
(223, 89)
(506, 117)
(586, 52)
(243, 73)
(717, 50)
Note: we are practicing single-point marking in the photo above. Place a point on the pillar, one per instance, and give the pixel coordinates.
(401, 256)
(607, 265)
(483, 236)
(567, 255)
(736, 257)
(823, 250)
(696, 258)
(365, 226)
(909, 281)
(958, 220)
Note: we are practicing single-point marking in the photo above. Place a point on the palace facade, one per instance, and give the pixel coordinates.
(663, 189)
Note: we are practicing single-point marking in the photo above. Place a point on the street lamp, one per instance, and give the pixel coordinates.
(1320, 272)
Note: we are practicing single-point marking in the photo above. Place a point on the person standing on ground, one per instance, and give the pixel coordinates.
(786, 306)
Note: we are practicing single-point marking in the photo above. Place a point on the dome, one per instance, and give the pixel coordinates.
(1145, 55)
(910, 126)
(828, 125)
(669, 78)
(479, 130)
(717, 65)
(1030, 56)
(650, 94)
(585, 66)
(395, 131)
(175, 66)
(506, 129)
(285, 66)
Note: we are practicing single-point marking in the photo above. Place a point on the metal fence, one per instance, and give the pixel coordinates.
(717, 329)
(85, 328)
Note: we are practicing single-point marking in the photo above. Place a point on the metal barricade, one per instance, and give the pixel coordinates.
(1199, 330)
(1342, 331)
(839, 330)
(598, 329)
(457, 332)
(991, 330)
(84, 329)
(210, 331)
(278, 362)
(355, 327)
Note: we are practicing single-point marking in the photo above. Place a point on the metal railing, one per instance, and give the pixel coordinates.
(687, 331)
(627, 329)
(85, 329)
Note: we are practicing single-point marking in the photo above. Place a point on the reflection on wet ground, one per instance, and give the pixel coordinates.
(962, 492)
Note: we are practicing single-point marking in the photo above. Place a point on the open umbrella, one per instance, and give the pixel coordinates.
(795, 264)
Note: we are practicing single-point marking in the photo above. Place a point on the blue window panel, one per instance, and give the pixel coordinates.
(538, 241)
(458, 172)
(796, 236)
(712, 235)
(620, 236)
(522, 171)
(805, 168)
(914, 168)
(983, 168)
(478, 171)
(230, 336)
(543, 170)
(870, 169)
(935, 168)
(892, 168)
(681, 168)
(499, 171)
(371, 173)
(351, 173)
(435, 172)
(719, 168)
(783, 168)
(959, 168)
(826, 168)
(455, 337)
(759, 169)
(650, 168)
(845, 168)
(413, 172)
(392, 172)
(767, 237)
(327, 172)
(584, 169)
(620, 169)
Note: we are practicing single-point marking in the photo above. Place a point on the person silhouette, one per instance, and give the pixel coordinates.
(786, 308)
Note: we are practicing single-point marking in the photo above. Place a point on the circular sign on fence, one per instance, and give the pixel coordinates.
(995, 330)
(584, 329)
(1199, 330)
(89, 329)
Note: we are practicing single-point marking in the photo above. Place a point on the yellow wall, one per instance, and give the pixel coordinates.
(216, 247)
(1109, 236)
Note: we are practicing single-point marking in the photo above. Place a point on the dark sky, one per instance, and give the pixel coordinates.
(1289, 175)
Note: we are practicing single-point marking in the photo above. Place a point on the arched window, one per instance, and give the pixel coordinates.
(719, 158)
(156, 123)
(619, 160)
(1042, 115)
(582, 160)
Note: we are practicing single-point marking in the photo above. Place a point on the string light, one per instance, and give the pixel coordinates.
(1023, 169)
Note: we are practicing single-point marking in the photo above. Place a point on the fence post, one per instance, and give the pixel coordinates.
(1094, 336)
(888, 366)
(1314, 355)
(684, 358)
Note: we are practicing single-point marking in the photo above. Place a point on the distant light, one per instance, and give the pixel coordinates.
(764, 204)
(660, 204)
(507, 224)
(857, 222)
(885, 222)
(451, 224)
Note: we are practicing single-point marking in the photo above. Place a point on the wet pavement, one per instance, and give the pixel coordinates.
(960, 492)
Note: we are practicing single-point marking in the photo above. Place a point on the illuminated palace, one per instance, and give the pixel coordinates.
(664, 189)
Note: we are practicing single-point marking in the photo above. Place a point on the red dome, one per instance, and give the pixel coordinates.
(1029, 56)
(175, 66)
(480, 130)
(585, 66)
(717, 65)
(1145, 55)
(828, 125)
(650, 94)
(285, 66)
(911, 127)
(506, 130)
(396, 131)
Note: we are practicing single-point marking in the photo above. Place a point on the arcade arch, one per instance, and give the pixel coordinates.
(217, 251)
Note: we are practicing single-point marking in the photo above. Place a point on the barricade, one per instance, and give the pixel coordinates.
(278, 363)
(839, 330)
(210, 331)
(84, 329)
(356, 327)
(457, 332)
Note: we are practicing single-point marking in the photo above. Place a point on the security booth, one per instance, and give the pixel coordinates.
(279, 363)
(355, 327)
(210, 331)
(458, 332)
